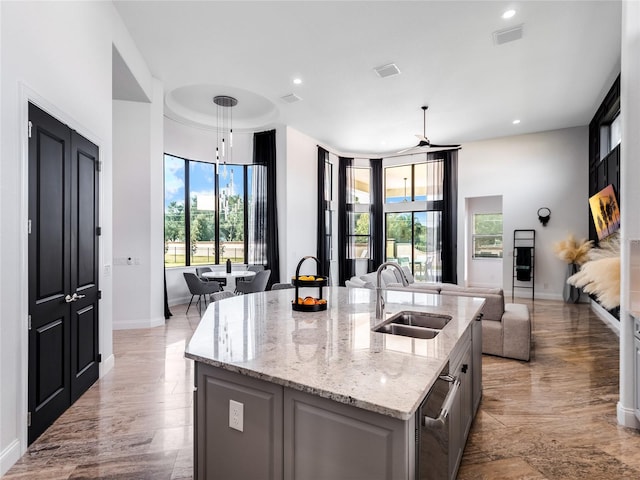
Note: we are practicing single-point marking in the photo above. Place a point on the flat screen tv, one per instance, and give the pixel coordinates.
(605, 212)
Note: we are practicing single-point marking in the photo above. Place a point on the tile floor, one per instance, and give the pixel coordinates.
(551, 418)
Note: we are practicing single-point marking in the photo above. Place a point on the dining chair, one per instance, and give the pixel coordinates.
(216, 297)
(257, 284)
(199, 288)
(200, 270)
(281, 286)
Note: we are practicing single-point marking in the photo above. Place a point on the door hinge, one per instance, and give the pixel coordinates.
(99, 294)
(28, 419)
(99, 166)
(99, 358)
(29, 226)
(98, 231)
(29, 320)
(30, 125)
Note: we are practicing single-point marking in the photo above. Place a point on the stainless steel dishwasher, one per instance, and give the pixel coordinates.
(437, 438)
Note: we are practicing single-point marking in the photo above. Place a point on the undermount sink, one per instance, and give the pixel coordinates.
(414, 324)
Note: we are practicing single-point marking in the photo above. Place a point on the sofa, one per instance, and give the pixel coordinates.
(506, 327)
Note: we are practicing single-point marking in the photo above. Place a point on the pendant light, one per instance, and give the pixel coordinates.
(224, 128)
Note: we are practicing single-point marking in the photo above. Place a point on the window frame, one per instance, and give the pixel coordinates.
(186, 242)
(355, 207)
(477, 236)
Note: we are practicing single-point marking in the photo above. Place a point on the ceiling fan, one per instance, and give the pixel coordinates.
(423, 141)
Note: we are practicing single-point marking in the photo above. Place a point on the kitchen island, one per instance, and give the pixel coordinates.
(287, 394)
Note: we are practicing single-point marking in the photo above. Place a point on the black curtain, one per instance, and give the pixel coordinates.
(167, 312)
(322, 252)
(263, 230)
(449, 215)
(346, 266)
(376, 215)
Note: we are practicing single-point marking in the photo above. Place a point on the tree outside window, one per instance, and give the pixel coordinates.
(487, 235)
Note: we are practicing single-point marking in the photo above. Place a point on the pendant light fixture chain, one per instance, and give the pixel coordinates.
(224, 127)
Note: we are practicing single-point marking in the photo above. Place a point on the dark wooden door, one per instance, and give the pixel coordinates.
(63, 268)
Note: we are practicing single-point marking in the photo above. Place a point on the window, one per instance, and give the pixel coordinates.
(358, 212)
(414, 239)
(215, 206)
(487, 235)
(413, 204)
(174, 211)
(359, 187)
(398, 182)
(610, 136)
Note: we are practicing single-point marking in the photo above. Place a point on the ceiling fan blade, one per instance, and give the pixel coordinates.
(433, 145)
(407, 150)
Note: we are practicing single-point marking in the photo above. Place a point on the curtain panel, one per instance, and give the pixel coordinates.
(346, 266)
(449, 214)
(376, 215)
(263, 218)
(322, 251)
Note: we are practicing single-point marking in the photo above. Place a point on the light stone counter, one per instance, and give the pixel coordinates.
(333, 354)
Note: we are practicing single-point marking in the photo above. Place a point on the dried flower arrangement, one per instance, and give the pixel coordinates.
(600, 275)
(572, 251)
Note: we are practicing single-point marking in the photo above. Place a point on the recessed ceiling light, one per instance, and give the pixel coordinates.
(508, 14)
(297, 81)
(516, 121)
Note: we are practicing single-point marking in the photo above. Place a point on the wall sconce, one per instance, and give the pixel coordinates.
(544, 214)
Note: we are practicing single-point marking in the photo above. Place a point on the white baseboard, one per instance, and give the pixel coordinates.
(606, 317)
(527, 296)
(9, 456)
(135, 324)
(627, 417)
(179, 301)
(107, 364)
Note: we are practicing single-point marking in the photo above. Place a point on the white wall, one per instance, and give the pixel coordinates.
(58, 55)
(300, 208)
(480, 272)
(138, 289)
(629, 201)
(548, 169)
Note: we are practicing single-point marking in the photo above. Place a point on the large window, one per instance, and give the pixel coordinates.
(413, 227)
(487, 235)
(358, 212)
(216, 209)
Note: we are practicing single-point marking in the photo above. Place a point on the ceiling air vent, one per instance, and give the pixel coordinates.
(507, 35)
(387, 70)
(291, 98)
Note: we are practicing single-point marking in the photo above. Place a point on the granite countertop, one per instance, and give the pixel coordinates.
(334, 353)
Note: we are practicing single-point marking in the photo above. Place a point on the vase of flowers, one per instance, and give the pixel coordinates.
(574, 253)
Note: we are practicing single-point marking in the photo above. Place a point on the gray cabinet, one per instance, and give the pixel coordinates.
(461, 413)
(324, 439)
(225, 453)
(476, 352)
(247, 428)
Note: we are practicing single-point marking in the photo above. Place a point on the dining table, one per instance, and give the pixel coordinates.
(233, 274)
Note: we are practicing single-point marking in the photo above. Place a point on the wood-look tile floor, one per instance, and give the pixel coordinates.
(551, 418)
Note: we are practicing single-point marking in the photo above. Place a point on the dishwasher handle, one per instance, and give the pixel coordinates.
(438, 423)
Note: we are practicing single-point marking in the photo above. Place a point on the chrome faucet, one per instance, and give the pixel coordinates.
(379, 299)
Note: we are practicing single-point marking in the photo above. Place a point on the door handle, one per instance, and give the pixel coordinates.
(73, 298)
